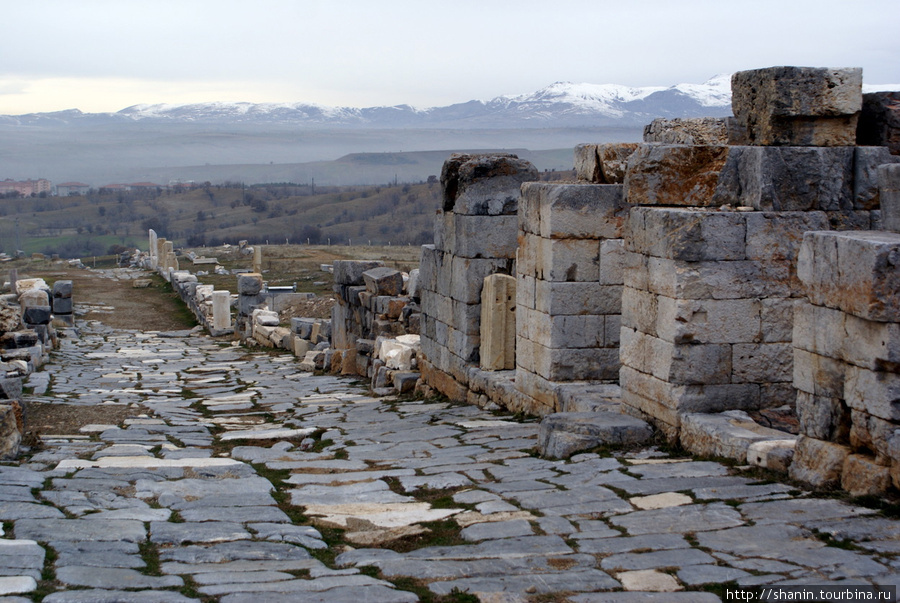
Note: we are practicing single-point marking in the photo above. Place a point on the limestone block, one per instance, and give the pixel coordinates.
(777, 236)
(62, 289)
(612, 328)
(708, 321)
(762, 362)
(301, 347)
(412, 285)
(577, 211)
(828, 332)
(818, 463)
(675, 175)
(463, 345)
(875, 393)
(11, 430)
(823, 417)
(541, 390)
(203, 293)
(467, 276)
(221, 307)
(383, 281)
(819, 375)
(576, 364)
(868, 432)
(481, 236)
(682, 364)
(37, 315)
(862, 476)
(603, 163)
(27, 284)
(797, 105)
(571, 260)
(249, 283)
(587, 164)
(530, 255)
(879, 121)
(280, 338)
(350, 272)
(889, 195)
(562, 434)
(486, 184)
(691, 131)
(612, 261)
(429, 259)
(729, 434)
(557, 298)
(34, 297)
(640, 310)
(399, 353)
(671, 398)
(62, 305)
(691, 235)
(265, 318)
(562, 331)
(716, 280)
(498, 323)
(772, 454)
(866, 164)
(787, 178)
(857, 272)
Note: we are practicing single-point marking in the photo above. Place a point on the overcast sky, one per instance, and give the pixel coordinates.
(105, 55)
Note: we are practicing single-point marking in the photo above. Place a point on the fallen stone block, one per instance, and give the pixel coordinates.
(818, 463)
(37, 315)
(775, 455)
(862, 476)
(350, 272)
(563, 434)
(141, 283)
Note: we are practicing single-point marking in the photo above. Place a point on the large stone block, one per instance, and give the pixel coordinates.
(11, 431)
(562, 331)
(678, 175)
(62, 289)
(762, 362)
(691, 131)
(729, 434)
(484, 184)
(603, 163)
(467, 276)
(889, 195)
(671, 399)
(866, 185)
(575, 364)
(579, 211)
(708, 321)
(862, 476)
(350, 272)
(481, 236)
(801, 106)
(558, 298)
(819, 375)
(818, 463)
(876, 393)
(681, 364)
(715, 280)
(570, 260)
(879, 121)
(823, 417)
(383, 281)
(612, 262)
(498, 323)
(857, 272)
(691, 235)
(250, 283)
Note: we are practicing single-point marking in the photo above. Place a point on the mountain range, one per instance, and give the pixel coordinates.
(559, 105)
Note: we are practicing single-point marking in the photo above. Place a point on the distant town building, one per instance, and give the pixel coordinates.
(26, 188)
(67, 189)
(134, 186)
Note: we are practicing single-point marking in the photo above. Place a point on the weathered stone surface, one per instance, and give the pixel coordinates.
(728, 434)
(350, 272)
(498, 323)
(862, 476)
(817, 462)
(889, 195)
(249, 283)
(11, 431)
(797, 105)
(383, 281)
(690, 131)
(602, 163)
(857, 272)
(563, 434)
(484, 184)
(691, 235)
(573, 211)
(879, 121)
(679, 175)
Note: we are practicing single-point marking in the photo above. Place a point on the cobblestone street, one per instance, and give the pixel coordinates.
(250, 481)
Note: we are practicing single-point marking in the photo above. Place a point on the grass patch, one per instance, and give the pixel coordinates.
(445, 532)
(420, 589)
(150, 554)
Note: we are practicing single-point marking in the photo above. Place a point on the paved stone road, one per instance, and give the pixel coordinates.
(219, 494)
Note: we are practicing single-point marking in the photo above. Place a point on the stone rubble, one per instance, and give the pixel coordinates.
(247, 479)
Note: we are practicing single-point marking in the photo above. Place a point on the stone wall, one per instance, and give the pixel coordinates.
(476, 233)
(846, 346)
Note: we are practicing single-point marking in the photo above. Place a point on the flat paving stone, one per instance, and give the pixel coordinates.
(496, 529)
(164, 532)
(118, 596)
(682, 520)
(113, 577)
(44, 530)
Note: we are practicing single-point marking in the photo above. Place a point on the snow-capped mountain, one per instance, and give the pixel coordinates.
(562, 104)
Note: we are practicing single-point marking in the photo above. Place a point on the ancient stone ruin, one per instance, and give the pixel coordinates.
(720, 268)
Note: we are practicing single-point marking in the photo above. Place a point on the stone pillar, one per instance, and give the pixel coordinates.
(154, 250)
(221, 310)
(498, 323)
(475, 236)
(569, 290)
(249, 296)
(61, 301)
(847, 361)
(161, 255)
(257, 258)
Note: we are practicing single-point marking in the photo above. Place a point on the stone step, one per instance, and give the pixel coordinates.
(734, 434)
(565, 433)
